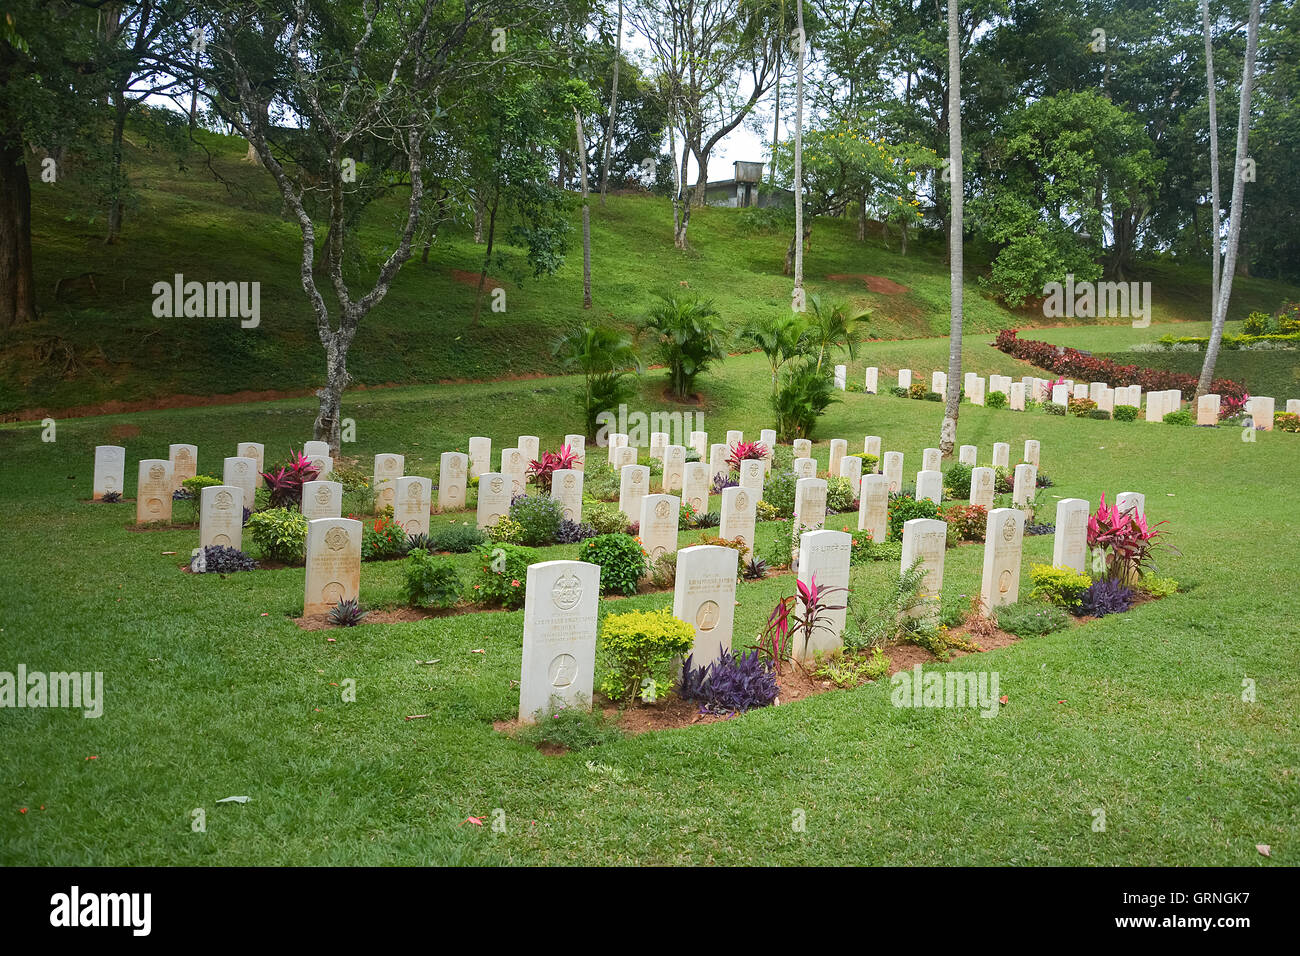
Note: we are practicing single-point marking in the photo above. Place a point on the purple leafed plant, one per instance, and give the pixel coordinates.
(1105, 597)
(571, 532)
(724, 481)
(734, 683)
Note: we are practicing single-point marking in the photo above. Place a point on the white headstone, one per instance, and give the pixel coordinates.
(453, 476)
(976, 394)
(982, 487)
(751, 476)
(718, 461)
(871, 446)
(221, 516)
(185, 462)
(871, 381)
(894, 470)
(1002, 551)
(388, 468)
(735, 437)
(939, 382)
(904, 378)
(674, 473)
(333, 571)
(967, 455)
(873, 506)
(322, 499)
(700, 442)
(1025, 484)
(802, 448)
(1261, 412)
(695, 491)
(616, 440)
(1016, 397)
(1070, 541)
(1094, 390)
(1081, 390)
(926, 539)
(311, 449)
(1061, 394)
(242, 473)
(1032, 451)
(1127, 501)
(1293, 406)
(809, 504)
(1106, 399)
(767, 438)
(411, 503)
(566, 488)
(931, 459)
(529, 446)
(514, 465)
(480, 456)
(624, 455)
(739, 514)
(257, 452)
(110, 465)
(805, 467)
(704, 596)
(1001, 454)
(323, 464)
(839, 448)
(929, 484)
(659, 517)
(1207, 410)
(633, 485)
(841, 377)
(493, 498)
(851, 468)
(658, 445)
(825, 556)
(577, 445)
(559, 654)
(968, 382)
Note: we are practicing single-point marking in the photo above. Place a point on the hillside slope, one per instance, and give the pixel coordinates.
(103, 347)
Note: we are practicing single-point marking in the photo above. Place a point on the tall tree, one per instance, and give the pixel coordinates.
(1238, 198)
(613, 105)
(1216, 237)
(948, 433)
(802, 40)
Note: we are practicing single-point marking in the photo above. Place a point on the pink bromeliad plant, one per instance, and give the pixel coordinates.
(551, 462)
(803, 613)
(745, 451)
(286, 481)
(1127, 542)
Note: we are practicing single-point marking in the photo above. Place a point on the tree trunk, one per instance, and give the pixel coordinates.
(948, 432)
(682, 205)
(776, 111)
(586, 211)
(478, 222)
(17, 286)
(487, 259)
(862, 218)
(613, 107)
(329, 417)
(1215, 223)
(116, 176)
(798, 155)
(1238, 196)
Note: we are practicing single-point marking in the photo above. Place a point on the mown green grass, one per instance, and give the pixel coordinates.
(91, 348)
(212, 691)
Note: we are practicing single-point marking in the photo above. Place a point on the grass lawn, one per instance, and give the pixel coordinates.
(212, 691)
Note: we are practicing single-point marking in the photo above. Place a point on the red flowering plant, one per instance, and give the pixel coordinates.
(286, 481)
(541, 472)
(381, 538)
(745, 451)
(1125, 542)
(802, 614)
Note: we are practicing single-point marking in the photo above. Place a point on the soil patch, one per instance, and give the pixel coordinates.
(874, 283)
(471, 279)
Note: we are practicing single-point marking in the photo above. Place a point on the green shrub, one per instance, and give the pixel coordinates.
(957, 481)
(933, 397)
(1158, 587)
(507, 530)
(918, 391)
(1100, 414)
(804, 392)
(538, 517)
(780, 552)
(839, 495)
(864, 549)
(1082, 407)
(640, 646)
(502, 577)
(1181, 417)
(604, 517)
(1053, 409)
(280, 534)
(1060, 586)
(1126, 413)
(903, 508)
(199, 482)
(663, 574)
(996, 400)
(763, 511)
(621, 558)
(430, 581)
(457, 538)
(571, 727)
(599, 482)
(686, 335)
(778, 491)
(382, 537)
(1031, 618)
(899, 391)
(869, 463)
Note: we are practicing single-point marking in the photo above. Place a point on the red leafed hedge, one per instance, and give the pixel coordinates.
(1074, 364)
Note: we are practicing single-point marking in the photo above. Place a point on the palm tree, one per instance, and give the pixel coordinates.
(613, 105)
(798, 161)
(948, 433)
(1216, 238)
(1234, 216)
(607, 359)
(830, 327)
(688, 335)
(779, 337)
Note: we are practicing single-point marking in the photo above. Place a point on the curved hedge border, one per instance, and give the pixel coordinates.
(1086, 368)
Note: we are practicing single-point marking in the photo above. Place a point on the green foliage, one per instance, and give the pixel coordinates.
(430, 581)
(641, 645)
(1158, 587)
(599, 482)
(622, 561)
(502, 575)
(1062, 587)
(346, 613)
(607, 360)
(957, 481)
(604, 517)
(1183, 416)
(687, 337)
(199, 482)
(507, 531)
(903, 508)
(574, 727)
(1053, 408)
(803, 394)
(864, 549)
(779, 337)
(1031, 618)
(780, 552)
(778, 491)
(456, 538)
(839, 494)
(1100, 414)
(850, 670)
(1126, 413)
(663, 574)
(382, 538)
(996, 400)
(538, 517)
(280, 534)
(883, 616)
